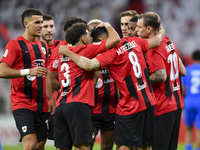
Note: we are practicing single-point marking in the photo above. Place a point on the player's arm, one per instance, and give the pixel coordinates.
(158, 76)
(7, 72)
(96, 76)
(182, 68)
(55, 84)
(113, 37)
(157, 39)
(50, 95)
(83, 62)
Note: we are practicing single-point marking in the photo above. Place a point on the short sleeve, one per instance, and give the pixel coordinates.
(53, 62)
(11, 53)
(107, 58)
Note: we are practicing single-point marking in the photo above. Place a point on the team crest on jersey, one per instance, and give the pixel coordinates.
(43, 50)
(55, 64)
(99, 83)
(24, 129)
(5, 53)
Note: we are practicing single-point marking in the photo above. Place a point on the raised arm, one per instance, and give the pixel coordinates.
(81, 61)
(113, 37)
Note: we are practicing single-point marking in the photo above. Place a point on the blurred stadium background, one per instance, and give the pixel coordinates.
(180, 19)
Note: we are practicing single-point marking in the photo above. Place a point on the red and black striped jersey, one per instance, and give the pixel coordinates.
(169, 93)
(53, 46)
(106, 96)
(77, 85)
(29, 91)
(128, 68)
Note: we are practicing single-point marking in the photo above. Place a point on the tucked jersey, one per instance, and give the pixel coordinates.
(51, 49)
(127, 66)
(106, 96)
(169, 93)
(29, 91)
(77, 85)
(53, 46)
(192, 85)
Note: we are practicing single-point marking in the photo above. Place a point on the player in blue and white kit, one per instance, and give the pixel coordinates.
(191, 88)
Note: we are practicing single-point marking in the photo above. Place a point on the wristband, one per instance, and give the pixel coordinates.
(24, 72)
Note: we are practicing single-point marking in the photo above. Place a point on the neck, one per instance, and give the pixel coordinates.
(29, 37)
(152, 34)
(48, 42)
(78, 44)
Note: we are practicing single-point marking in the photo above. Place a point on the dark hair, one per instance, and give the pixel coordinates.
(74, 33)
(151, 19)
(96, 32)
(196, 54)
(70, 21)
(47, 17)
(29, 12)
(134, 19)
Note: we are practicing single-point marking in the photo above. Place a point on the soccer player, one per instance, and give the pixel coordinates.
(106, 98)
(134, 121)
(164, 65)
(125, 18)
(132, 24)
(191, 89)
(25, 62)
(47, 36)
(73, 124)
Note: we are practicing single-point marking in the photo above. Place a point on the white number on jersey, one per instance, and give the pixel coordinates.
(195, 82)
(173, 59)
(65, 67)
(136, 66)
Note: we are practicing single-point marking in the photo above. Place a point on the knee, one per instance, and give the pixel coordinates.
(107, 146)
(30, 146)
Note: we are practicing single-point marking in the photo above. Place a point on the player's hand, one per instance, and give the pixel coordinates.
(103, 24)
(52, 106)
(38, 71)
(63, 50)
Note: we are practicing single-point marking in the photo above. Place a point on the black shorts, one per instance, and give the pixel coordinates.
(167, 130)
(136, 129)
(73, 125)
(31, 122)
(103, 121)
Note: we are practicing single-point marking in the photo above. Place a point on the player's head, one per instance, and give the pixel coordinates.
(125, 17)
(196, 55)
(93, 23)
(148, 24)
(99, 34)
(70, 21)
(32, 20)
(78, 32)
(132, 24)
(48, 28)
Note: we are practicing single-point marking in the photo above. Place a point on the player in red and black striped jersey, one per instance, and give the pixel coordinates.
(47, 36)
(77, 88)
(164, 65)
(134, 124)
(25, 62)
(106, 98)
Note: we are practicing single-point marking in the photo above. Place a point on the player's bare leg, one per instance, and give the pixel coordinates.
(40, 145)
(29, 142)
(145, 148)
(107, 139)
(198, 138)
(123, 147)
(82, 146)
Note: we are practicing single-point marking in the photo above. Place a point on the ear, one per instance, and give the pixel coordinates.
(100, 39)
(26, 24)
(149, 29)
(84, 40)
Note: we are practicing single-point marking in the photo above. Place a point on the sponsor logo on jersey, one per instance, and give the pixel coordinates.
(140, 87)
(176, 88)
(108, 81)
(38, 62)
(5, 53)
(24, 129)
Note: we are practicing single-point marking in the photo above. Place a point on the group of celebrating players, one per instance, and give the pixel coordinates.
(129, 89)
